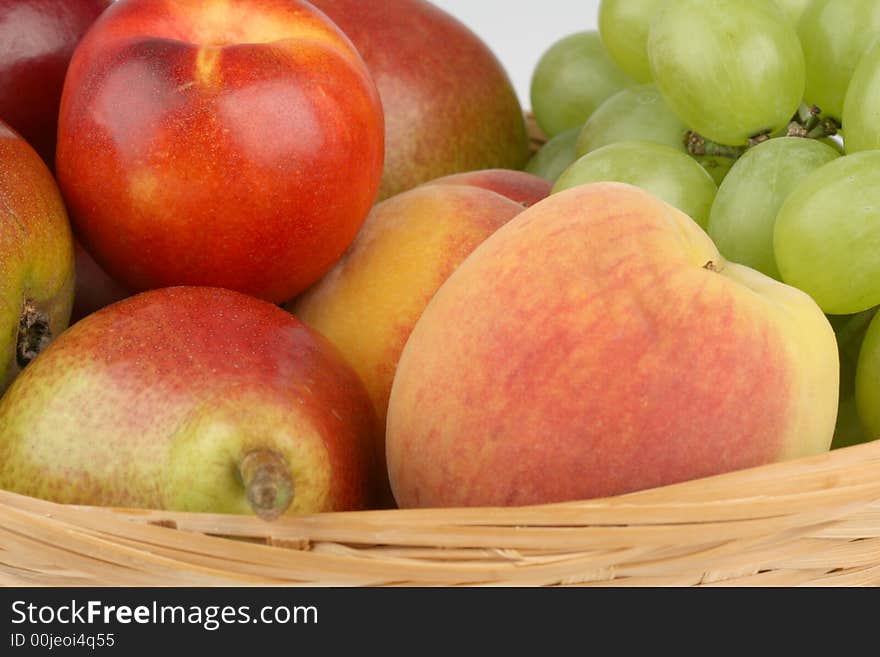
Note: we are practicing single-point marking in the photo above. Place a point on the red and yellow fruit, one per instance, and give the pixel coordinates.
(524, 188)
(225, 142)
(449, 104)
(39, 37)
(94, 288)
(36, 257)
(191, 399)
(410, 244)
(598, 344)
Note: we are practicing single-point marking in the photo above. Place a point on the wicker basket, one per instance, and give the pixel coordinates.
(810, 522)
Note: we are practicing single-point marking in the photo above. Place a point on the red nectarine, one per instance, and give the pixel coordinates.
(225, 142)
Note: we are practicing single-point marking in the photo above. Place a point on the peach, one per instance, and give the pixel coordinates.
(409, 245)
(599, 344)
(524, 188)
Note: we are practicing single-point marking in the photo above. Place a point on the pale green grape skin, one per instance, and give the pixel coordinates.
(744, 212)
(717, 166)
(731, 69)
(794, 8)
(827, 234)
(861, 110)
(848, 430)
(555, 156)
(835, 34)
(665, 172)
(634, 114)
(850, 331)
(623, 26)
(868, 381)
(835, 143)
(572, 78)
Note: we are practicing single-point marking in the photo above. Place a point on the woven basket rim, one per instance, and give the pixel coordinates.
(810, 521)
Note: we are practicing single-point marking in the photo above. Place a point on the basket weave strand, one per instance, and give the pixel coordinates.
(809, 522)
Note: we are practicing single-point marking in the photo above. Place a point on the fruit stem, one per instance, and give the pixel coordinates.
(698, 145)
(34, 333)
(827, 127)
(267, 482)
(807, 116)
(795, 129)
(809, 123)
(759, 138)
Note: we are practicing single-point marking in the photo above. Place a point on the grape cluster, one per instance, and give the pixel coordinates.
(758, 118)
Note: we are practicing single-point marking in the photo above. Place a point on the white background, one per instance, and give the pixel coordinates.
(519, 31)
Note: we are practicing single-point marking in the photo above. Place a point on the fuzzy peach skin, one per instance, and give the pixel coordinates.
(599, 344)
(449, 104)
(230, 143)
(410, 244)
(157, 400)
(36, 256)
(524, 188)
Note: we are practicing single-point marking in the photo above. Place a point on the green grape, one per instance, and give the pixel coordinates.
(835, 143)
(665, 172)
(835, 34)
(868, 381)
(827, 234)
(571, 80)
(848, 429)
(634, 114)
(850, 331)
(623, 26)
(744, 212)
(861, 110)
(555, 156)
(716, 165)
(794, 8)
(731, 69)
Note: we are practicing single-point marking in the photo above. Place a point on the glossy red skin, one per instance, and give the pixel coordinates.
(524, 188)
(449, 104)
(94, 288)
(38, 38)
(254, 176)
(168, 357)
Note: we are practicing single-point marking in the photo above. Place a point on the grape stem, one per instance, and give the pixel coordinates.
(827, 127)
(807, 116)
(759, 138)
(698, 145)
(807, 122)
